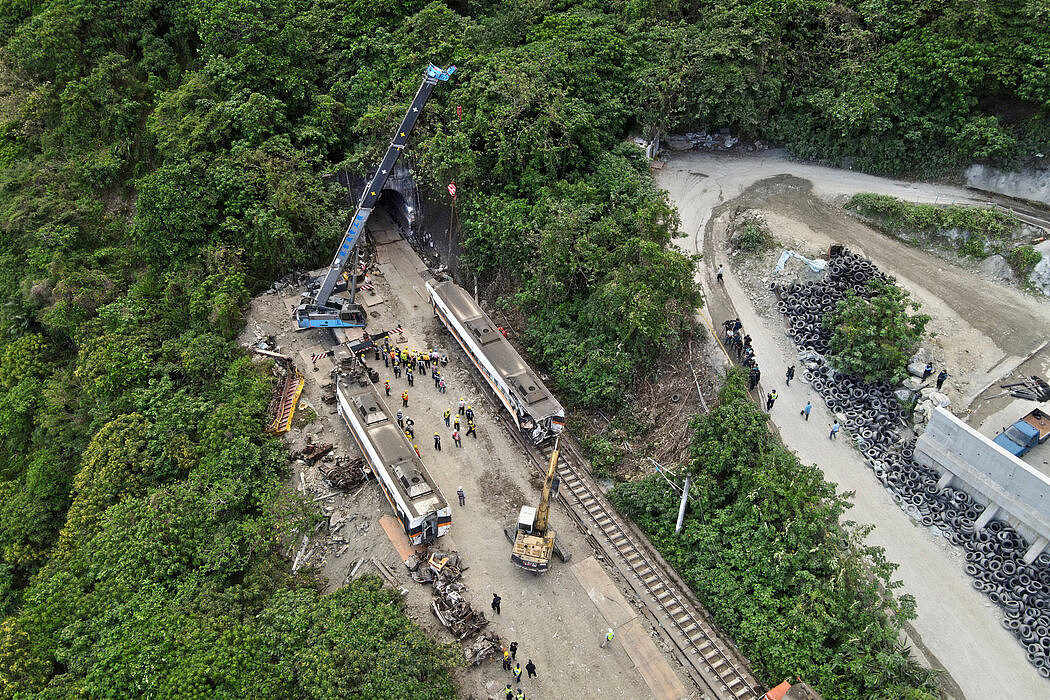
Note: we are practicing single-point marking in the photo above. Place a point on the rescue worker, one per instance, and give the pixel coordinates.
(520, 695)
(444, 360)
(448, 414)
(409, 376)
(404, 399)
(771, 398)
(472, 429)
(441, 386)
(509, 692)
(397, 371)
(386, 385)
(462, 405)
(469, 413)
(455, 438)
(517, 672)
(455, 423)
(400, 419)
(437, 377)
(608, 639)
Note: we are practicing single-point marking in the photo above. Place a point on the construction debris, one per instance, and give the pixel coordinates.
(486, 646)
(311, 453)
(1033, 389)
(454, 612)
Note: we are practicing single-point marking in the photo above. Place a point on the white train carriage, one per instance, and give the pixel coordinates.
(408, 487)
(537, 412)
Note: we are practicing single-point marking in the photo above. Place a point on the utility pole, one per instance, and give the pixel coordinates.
(681, 508)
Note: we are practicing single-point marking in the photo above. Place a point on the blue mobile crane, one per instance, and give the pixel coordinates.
(318, 309)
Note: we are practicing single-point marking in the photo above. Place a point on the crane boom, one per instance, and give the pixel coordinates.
(317, 311)
(544, 510)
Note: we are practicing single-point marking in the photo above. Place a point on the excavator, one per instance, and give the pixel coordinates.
(534, 539)
(317, 308)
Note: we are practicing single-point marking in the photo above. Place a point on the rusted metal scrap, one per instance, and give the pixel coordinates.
(311, 453)
(455, 613)
(345, 473)
(486, 646)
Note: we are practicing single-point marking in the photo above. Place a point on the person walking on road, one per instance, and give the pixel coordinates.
(607, 639)
(455, 423)
(472, 429)
(790, 375)
(834, 430)
(441, 386)
(437, 442)
(771, 398)
(387, 387)
(400, 419)
(940, 378)
(409, 376)
(448, 415)
(404, 399)
(462, 496)
(721, 269)
(397, 371)
(455, 438)
(806, 409)
(530, 668)
(469, 414)
(462, 405)
(495, 605)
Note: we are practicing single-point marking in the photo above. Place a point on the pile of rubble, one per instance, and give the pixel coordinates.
(443, 570)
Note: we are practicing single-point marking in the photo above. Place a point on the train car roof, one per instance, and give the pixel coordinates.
(498, 349)
(405, 470)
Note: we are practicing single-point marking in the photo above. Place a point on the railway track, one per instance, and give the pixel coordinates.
(718, 667)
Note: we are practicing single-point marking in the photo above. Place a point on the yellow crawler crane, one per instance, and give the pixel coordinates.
(534, 540)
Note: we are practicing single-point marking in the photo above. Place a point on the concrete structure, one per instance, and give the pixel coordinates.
(400, 194)
(1008, 487)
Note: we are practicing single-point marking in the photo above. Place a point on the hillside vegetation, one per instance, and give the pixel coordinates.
(802, 595)
(161, 160)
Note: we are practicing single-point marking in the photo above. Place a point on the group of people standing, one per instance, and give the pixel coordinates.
(411, 362)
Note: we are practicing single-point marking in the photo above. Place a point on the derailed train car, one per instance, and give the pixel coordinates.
(408, 487)
(534, 408)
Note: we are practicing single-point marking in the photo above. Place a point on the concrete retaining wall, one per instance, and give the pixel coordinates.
(1031, 184)
(1011, 489)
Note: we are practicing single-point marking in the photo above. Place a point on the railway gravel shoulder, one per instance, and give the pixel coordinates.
(711, 659)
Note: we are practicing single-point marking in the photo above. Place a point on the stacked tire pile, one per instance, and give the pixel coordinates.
(873, 416)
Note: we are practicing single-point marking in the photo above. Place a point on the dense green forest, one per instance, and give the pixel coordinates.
(161, 160)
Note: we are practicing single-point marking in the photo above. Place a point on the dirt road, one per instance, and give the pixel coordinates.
(957, 628)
